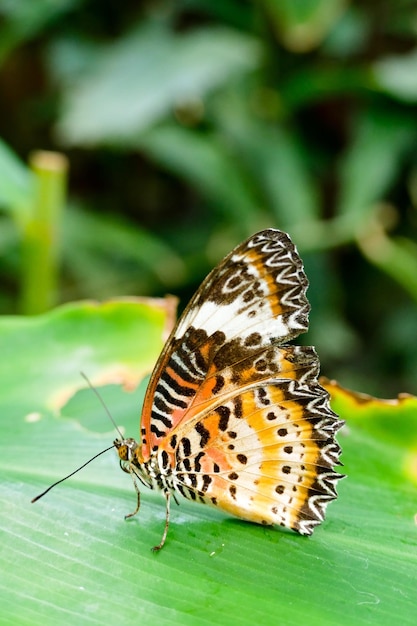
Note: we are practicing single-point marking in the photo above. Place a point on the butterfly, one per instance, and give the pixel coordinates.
(233, 415)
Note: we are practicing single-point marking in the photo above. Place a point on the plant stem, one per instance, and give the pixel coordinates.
(41, 234)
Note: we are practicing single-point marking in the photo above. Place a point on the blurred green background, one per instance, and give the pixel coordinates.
(188, 126)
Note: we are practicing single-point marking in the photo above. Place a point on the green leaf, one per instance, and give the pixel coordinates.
(141, 78)
(100, 339)
(313, 83)
(24, 18)
(140, 261)
(275, 159)
(71, 558)
(397, 75)
(303, 25)
(206, 162)
(397, 256)
(348, 37)
(371, 163)
(391, 423)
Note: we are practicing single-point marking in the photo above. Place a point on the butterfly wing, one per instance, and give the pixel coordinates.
(255, 298)
(266, 454)
(236, 417)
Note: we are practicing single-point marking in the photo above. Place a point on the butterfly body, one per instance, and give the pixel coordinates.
(233, 415)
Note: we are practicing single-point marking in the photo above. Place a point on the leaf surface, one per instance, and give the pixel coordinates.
(71, 557)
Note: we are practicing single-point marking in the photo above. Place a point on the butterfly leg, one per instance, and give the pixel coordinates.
(138, 495)
(164, 535)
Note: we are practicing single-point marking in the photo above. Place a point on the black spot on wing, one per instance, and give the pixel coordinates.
(155, 430)
(219, 384)
(186, 446)
(203, 432)
(224, 414)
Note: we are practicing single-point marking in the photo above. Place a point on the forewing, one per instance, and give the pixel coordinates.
(260, 287)
(254, 299)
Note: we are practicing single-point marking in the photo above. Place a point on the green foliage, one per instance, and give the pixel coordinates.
(35, 199)
(143, 76)
(71, 557)
(190, 125)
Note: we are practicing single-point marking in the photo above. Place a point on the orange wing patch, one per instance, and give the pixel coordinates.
(265, 456)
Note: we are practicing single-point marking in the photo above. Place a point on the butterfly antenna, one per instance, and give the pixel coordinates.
(109, 415)
(69, 475)
(96, 455)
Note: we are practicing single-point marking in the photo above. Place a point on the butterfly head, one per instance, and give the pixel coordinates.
(132, 462)
(127, 449)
